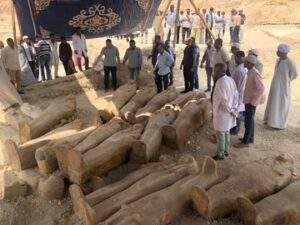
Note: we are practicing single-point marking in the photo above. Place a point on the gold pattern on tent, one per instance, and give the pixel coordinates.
(41, 4)
(143, 4)
(96, 19)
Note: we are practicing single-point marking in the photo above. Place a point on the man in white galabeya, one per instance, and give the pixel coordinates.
(279, 100)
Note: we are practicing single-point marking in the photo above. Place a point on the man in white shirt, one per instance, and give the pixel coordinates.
(225, 104)
(186, 24)
(219, 24)
(162, 69)
(80, 48)
(170, 19)
(220, 55)
(30, 54)
(196, 28)
(54, 55)
(10, 59)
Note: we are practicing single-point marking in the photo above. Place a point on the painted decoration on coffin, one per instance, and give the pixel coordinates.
(97, 18)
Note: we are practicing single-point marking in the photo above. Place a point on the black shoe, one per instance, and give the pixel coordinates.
(226, 154)
(250, 142)
(218, 158)
(183, 92)
(207, 90)
(21, 92)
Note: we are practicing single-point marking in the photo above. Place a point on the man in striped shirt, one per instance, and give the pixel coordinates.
(44, 55)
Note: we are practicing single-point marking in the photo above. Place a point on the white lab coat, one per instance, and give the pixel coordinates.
(79, 45)
(225, 100)
(279, 100)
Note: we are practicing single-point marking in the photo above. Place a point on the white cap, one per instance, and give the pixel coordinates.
(251, 59)
(283, 48)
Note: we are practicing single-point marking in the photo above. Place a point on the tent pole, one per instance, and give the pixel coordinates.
(164, 13)
(13, 21)
(203, 20)
(177, 21)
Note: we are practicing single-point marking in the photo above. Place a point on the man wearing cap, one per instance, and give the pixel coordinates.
(280, 92)
(253, 95)
(225, 103)
(30, 54)
(259, 66)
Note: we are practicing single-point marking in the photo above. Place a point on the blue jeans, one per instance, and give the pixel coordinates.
(45, 63)
(223, 143)
(249, 124)
(162, 82)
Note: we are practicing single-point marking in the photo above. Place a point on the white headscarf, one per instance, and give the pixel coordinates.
(283, 48)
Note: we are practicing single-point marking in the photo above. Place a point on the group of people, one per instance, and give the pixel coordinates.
(238, 87)
(236, 95)
(199, 24)
(28, 61)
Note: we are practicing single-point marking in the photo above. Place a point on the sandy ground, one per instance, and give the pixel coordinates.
(34, 211)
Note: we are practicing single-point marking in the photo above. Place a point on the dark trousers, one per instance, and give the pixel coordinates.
(236, 34)
(177, 34)
(171, 77)
(249, 123)
(67, 67)
(189, 78)
(45, 64)
(235, 130)
(186, 33)
(162, 82)
(209, 71)
(33, 69)
(113, 71)
(196, 80)
(231, 32)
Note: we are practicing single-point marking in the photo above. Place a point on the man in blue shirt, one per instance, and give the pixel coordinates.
(171, 51)
(162, 69)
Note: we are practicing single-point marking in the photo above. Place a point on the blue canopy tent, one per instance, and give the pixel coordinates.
(96, 18)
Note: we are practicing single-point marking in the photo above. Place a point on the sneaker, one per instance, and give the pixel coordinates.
(218, 158)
